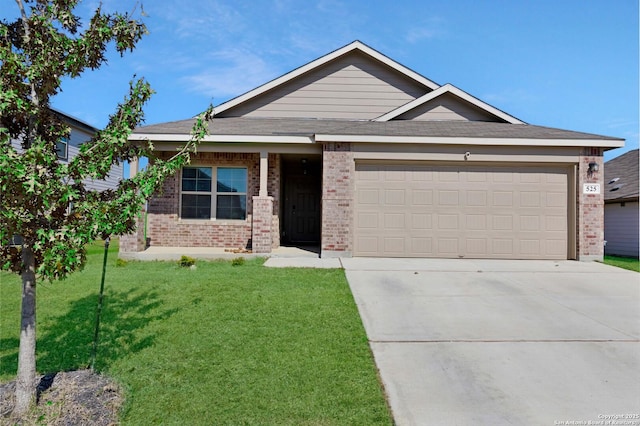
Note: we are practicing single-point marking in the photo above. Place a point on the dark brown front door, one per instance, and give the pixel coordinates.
(302, 209)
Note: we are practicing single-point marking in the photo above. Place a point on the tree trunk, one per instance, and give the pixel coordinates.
(25, 382)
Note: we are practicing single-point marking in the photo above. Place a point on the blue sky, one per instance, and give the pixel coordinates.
(571, 64)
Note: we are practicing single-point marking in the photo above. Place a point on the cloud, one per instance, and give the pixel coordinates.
(510, 96)
(431, 29)
(232, 72)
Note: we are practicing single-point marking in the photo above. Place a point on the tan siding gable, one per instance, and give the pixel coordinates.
(448, 107)
(352, 87)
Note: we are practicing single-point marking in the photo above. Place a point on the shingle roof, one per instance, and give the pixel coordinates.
(622, 173)
(407, 128)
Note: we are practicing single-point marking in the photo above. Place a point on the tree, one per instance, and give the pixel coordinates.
(42, 199)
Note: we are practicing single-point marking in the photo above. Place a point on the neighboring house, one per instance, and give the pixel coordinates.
(621, 212)
(81, 132)
(362, 156)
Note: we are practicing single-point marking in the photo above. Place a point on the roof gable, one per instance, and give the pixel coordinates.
(353, 82)
(449, 103)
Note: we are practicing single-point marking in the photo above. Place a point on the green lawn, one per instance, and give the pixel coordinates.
(220, 344)
(630, 263)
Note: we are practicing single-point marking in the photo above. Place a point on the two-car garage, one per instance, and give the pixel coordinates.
(459, 210)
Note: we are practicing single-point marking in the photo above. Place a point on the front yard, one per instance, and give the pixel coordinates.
(218, 344)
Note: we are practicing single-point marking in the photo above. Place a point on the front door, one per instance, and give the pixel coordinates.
(302, 219)
(302, 212)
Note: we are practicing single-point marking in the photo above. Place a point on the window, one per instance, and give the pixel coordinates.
(231, 195)
(199, 199)
(62, 149)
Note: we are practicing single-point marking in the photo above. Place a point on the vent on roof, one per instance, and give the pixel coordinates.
(614, 180)
(615, 188)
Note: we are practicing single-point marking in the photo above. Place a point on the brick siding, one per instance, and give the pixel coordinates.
(590, 207)
(338, 173)
(165, 228)
(262, 224)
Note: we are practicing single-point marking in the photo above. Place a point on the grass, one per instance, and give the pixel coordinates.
(631, 263)
(218, 344)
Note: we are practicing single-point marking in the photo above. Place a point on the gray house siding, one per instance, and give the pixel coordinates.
(621, 228)
(352, 87)
(77, 137)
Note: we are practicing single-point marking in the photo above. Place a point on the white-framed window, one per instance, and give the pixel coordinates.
(200, 199)
(62, 149)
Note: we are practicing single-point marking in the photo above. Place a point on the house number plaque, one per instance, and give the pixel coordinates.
(591, 188)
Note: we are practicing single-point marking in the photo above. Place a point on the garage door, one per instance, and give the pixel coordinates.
(461, 211)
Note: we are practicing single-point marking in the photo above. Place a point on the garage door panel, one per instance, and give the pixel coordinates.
(368, 196)
(422, 197)
(448, 198)
(502, 223)
(555, 223)
(556, 199)
(476, 222)
(448, 246)
(421, 221)
(477, 246)
(394, 222)
(530, 223)
(530, 247)
(424, 210)
(422, 246)
(394, 197)
(368, 221)
(477, 198)
(448, 221)
(394, 246)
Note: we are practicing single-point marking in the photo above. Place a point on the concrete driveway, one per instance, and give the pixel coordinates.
(462, 342)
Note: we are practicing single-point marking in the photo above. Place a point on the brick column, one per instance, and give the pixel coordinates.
(135, 241)
(262, 221)
(590, 207)
(338, 173)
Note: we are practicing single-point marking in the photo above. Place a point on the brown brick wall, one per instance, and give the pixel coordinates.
(590, 207)
(164, 228)
(338, 174)
(261, 224)
(135, 241)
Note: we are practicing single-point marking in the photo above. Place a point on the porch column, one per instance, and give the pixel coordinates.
(135, 241)
(262, 218)
(134, 167)
(264, 173)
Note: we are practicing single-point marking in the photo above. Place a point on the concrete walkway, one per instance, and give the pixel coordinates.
(461, 342)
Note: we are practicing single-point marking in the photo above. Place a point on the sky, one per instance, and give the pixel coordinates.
(570, 64)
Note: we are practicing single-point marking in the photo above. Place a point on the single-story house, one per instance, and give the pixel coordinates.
(621, 206)
(363, 156)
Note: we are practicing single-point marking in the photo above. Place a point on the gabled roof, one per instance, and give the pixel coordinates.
(449, 89)
(621, 181)
(349, 48)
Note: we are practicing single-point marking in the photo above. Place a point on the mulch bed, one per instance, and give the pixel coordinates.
(68, 398)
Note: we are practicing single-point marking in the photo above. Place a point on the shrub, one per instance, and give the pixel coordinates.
(187, 261)
(238, 261)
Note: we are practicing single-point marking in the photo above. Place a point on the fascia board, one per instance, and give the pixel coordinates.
(413, 104)
(449, 88)
(442, 140)
(221, 138)
(356, 45)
